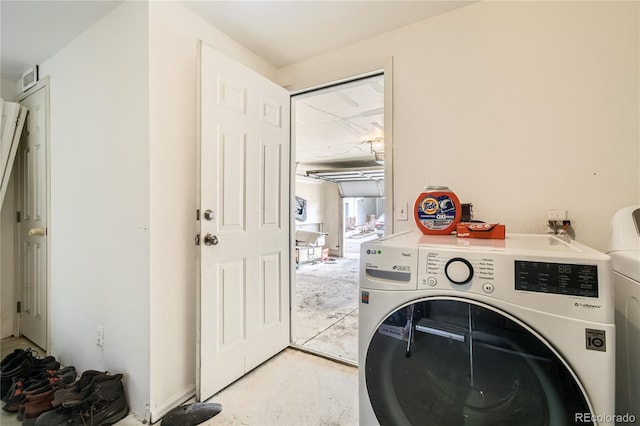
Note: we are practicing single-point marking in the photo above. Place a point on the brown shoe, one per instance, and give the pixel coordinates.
(34, 393)
(36, 405)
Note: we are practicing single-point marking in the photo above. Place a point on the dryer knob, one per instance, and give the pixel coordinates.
(458, 270)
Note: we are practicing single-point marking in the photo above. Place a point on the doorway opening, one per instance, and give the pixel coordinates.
(338, 139)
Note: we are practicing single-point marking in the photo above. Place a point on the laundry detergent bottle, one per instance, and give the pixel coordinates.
(437, 210)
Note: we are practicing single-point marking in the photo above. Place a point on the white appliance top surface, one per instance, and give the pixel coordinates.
(513, 242)
(627, 263)
(625, 229)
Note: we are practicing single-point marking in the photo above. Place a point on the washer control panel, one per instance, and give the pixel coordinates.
(568, 286)
(460, 270)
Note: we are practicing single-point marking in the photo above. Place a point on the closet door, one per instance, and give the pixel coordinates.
(32, 228)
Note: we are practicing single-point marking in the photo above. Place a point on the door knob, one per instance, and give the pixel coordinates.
(36, 231)
(209, 214)
(211, 240)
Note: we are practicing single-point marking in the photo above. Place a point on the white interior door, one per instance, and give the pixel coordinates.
(32, 228)
(13, 117)
(244, 226)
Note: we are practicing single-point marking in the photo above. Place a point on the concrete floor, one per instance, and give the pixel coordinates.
(326, 314)
(292, 388)
(325, 319)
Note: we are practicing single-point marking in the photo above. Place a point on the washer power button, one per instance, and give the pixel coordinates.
(432, 281)
(488, 288)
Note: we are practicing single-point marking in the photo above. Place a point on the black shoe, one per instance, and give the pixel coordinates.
(28, 368)
(13, 355)
(105, 406)
(58, 416)
(81, 389)
(9, 376)
(98, 400)
(14, 359)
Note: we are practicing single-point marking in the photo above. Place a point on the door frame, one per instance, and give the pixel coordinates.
(386, 69)
(44, 83)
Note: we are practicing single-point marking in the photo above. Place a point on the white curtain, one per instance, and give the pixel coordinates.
(13, 118)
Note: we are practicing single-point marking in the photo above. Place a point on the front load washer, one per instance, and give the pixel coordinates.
(625, 257)
(485, 332)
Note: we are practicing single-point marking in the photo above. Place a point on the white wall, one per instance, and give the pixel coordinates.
(8, 90)
(100, 199)
(333, 213)
(173, 33)
(312, 192)
(519, 107)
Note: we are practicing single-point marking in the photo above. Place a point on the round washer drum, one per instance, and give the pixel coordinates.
(468, 364)
(479, 333)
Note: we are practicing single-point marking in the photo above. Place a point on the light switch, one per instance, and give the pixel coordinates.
(402, 213)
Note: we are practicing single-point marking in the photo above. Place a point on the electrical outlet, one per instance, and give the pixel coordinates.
(402, 212)
(100, 336)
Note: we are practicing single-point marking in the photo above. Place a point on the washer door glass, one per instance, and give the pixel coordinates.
(452, 362)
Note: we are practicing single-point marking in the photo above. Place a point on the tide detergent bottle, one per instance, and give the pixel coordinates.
(437, 210)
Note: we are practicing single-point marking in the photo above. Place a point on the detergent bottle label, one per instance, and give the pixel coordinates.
(437, 212)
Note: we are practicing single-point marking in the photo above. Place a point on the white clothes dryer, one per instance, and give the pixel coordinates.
(625, 256)
(485, 332)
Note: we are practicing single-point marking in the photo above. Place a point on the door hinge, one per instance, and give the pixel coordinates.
(198, 214)
(18, 307)
(18, 217)
(197, 239)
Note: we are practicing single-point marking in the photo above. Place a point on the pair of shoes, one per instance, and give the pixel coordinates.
(11, 365)
(15, 396)
(101, 402)
(23, 367)
(80, 389)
